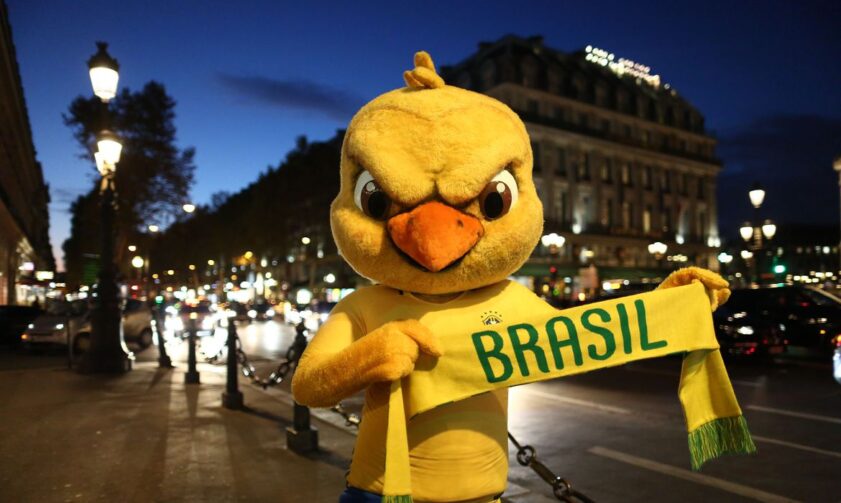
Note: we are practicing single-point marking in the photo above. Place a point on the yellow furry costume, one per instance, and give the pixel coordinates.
(437, 205)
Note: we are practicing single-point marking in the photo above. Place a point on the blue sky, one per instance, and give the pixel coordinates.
(249, 78)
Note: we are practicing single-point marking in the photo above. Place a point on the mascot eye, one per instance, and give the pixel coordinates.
(370, 198)
(499, 195)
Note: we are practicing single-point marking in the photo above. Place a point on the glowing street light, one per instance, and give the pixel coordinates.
(746, 254)
(104, 72)
(109, 147)
(552, 240)
(154, 228)
(306, 240)
(725, 258)
(658, 248)
(189, 207)
(330, 278)
(211, 262)
(746, 231)
(769, 229)
(137, 262)
(132, 248)
(756, 195)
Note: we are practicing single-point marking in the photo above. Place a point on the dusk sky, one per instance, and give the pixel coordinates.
(249, 78)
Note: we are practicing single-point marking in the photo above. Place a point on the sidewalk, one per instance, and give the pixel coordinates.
(146, 436)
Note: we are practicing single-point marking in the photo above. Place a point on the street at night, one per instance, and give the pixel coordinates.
(436, 252)
(617, 434)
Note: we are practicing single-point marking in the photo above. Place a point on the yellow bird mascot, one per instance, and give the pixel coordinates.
(437, 207)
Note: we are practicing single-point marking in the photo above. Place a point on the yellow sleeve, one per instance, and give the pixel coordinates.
(328, 370)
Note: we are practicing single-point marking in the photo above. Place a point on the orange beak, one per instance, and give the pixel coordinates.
(434, 234)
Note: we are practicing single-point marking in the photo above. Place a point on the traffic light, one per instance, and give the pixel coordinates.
(779, 269)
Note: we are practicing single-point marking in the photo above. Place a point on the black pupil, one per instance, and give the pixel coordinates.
(377, 204)
(493, 205)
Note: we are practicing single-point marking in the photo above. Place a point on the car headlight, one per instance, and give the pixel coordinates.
(60, 326)
(745, 330)
(175, 324)
(252, 313)
(30, 326)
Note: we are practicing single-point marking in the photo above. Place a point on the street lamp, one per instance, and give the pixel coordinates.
(746, 231)
(137, 262)
(104, 72)
(769, 229)
(106, 352)
(154, 228)
(189, 207)
(756, 195)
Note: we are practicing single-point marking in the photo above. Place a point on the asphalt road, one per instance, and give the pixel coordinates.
(618, 434)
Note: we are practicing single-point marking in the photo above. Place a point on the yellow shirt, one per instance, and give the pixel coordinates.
(458, 451)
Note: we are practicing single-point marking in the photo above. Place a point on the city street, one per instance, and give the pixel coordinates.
(618, 436)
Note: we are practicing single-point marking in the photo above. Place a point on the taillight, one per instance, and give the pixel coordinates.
(837, 341)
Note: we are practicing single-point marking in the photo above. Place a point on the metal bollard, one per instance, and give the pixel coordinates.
(232, 397)
(301, 437)
(164, 361)
(192, 375)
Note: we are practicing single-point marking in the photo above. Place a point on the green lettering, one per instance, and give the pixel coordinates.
(645, 344)
(571, 341)
(626, 329)
(607, 335)
(531, 345)
(495, 352)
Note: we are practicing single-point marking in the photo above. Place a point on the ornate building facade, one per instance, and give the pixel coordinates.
(24, 221)
(621, 161)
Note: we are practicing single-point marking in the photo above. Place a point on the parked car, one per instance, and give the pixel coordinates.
(836, 360)
(71, 321)
(14, 320)
(61, 322)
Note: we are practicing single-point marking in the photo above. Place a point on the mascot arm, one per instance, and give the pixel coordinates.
(342, 360)
(716, 286)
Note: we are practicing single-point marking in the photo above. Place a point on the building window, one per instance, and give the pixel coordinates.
(535, 149)
(626, 174)
(626, 130)
(702, 189)
(626, 215)
(606, 213)
(665, 181)
(584, 168)
(644, 137)
(607, 170)
(558, 113)
(561, 167)
(606, 126)
(683, 182)
(646, 220)
(702, 223)
(646, 177)
(560, 206)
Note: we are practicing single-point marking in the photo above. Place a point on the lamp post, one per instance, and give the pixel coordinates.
(106, 352)
(754, 232)
(658, 250)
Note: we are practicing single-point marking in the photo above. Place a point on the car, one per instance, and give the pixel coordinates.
(743, 330)
(811, 316)
(14, 320)
(61, 322)
(262, 311)
(71, 321)
(181, 316)
(836, 360)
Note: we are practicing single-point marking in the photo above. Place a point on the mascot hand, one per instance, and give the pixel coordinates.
(716, 286)
(384, 354)
(396, 346)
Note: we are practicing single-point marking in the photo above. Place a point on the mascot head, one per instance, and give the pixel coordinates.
(436, 188)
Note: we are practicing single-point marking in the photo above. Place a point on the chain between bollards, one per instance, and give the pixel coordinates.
(561, 488)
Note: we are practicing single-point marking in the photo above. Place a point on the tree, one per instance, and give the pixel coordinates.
(153, 177)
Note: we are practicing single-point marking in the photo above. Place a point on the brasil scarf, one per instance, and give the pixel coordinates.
(574, 341)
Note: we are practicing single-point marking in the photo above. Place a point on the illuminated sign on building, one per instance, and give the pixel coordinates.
(621, 66)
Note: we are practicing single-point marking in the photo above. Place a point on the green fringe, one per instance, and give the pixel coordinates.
(726, 435)
(404, 498)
